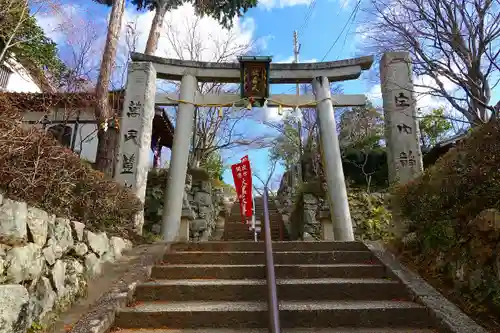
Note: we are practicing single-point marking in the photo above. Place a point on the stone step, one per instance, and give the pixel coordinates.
(320, 314)
(274, 232)
(239, 228)
(289, 330)
(324, 289)
(237, 218)
(259, 271)
(272, 216)
(237, 223)
(275, 237)
(258, 257)
(258, 207)
(246, 237)
(240, 225)
(277, 246)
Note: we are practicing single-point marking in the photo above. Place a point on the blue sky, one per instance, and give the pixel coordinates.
(272, 24)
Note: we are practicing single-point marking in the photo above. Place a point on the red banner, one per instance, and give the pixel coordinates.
(242, 175)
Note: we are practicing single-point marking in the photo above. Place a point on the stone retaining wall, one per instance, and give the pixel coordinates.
(303, 207)
(46, 263)
(202, 204)
(206, 203)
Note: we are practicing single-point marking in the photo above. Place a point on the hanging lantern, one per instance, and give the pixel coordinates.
(255, 78)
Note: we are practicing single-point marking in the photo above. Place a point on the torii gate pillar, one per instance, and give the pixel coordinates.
(171, 219)
(337, 192)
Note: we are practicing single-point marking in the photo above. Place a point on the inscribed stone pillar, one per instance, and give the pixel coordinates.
(404, 156)
(136, 126)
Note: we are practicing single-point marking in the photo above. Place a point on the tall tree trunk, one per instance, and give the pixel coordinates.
(156, 154)
(151, 47)
(107, 140)
(156, 26)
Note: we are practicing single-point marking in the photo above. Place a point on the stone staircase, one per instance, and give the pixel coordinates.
(220, 287)
(234, 228)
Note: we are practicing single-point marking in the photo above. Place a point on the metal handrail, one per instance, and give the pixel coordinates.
(272, 297)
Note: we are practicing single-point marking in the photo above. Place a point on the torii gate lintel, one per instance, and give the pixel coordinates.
(279, 73)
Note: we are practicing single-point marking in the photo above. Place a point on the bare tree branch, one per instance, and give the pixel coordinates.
(455, 44)
(216, 128)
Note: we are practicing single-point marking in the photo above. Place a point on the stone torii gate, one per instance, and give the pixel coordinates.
(141, 98)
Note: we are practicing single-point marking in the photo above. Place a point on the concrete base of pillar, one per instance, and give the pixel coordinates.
(184, 231)
(327, 230)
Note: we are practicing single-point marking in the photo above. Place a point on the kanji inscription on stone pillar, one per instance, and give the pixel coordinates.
(404, 156)
(133, 160)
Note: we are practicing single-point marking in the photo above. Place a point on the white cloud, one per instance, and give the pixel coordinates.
(181, 22)
(291, 58)
(178, 31)
(272, 114)
(375, 94)
(270, 4)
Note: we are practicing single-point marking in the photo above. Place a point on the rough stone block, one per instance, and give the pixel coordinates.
(37, 221)
(203, 199)
(81, 249)
(199, 174)
(78, 229)
(75, 272)
(14, 309)
(52, 252)
(58, 275)
(206, 186)
(189, 182)
(13, 216)
(117, 245)
(206, 211)
(92, 265)
(42, 299)
(198, 225)
(99, 243)
(60, 232)
(24, 263)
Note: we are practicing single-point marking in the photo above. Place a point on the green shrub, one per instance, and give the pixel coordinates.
(460, 185)
(371, 217)
(452, 241)
(34, 168)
